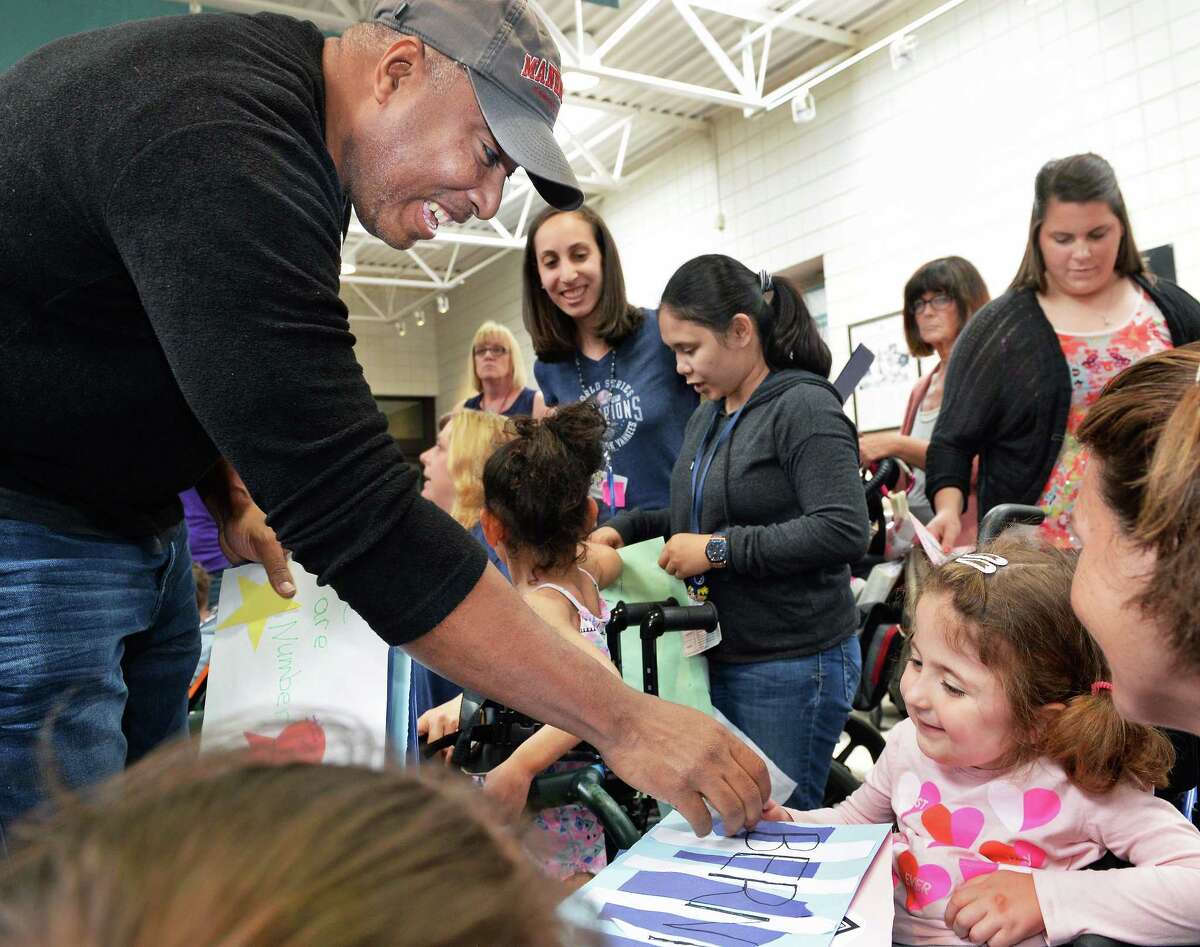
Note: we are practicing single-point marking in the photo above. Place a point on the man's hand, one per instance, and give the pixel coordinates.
(1000, 909)
(242, 529)
(669, 751)
(684, 555)
(507, 787)
(678, 754)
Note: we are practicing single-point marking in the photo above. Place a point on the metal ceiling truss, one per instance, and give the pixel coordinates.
(599, 166)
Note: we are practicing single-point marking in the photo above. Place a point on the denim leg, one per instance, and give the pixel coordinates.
(159, 662)
(67, 605)
(794, 709)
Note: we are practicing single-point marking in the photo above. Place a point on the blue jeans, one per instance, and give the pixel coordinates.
(98, 641)
(794, 709)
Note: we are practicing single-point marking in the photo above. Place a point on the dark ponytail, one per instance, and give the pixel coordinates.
(711, 289)
(537, 484)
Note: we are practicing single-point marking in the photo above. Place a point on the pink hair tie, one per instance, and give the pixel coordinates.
(1101, 686)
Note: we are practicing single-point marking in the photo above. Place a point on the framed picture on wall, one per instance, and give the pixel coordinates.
(880, 398)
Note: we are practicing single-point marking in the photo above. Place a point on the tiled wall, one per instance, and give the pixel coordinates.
(396, 366)
(901, 167)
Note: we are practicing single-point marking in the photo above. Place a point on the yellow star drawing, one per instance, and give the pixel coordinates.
(259, 603)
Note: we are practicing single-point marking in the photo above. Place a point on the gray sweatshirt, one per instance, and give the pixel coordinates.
(784, 488)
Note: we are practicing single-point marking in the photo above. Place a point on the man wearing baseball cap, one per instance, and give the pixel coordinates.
(175, 193)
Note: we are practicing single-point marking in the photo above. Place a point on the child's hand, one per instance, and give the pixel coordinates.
(507, 786)
(774, 812)
(999, 909)
(606, 536)
(684, 555)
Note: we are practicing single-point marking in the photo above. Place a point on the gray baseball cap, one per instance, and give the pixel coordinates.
(514, 68)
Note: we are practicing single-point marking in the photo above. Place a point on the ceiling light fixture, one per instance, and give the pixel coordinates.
(419, 318)
(401, 328)
(443, 303)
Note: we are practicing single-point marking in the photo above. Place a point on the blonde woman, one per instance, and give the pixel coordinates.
(453, 469)
(496, 374)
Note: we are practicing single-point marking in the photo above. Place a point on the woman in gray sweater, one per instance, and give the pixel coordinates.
(767, 511)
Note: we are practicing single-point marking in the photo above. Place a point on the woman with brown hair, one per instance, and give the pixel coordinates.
(223, 849)
(1138, 519)
(591, 344)
(939, 298)
(1030, 364)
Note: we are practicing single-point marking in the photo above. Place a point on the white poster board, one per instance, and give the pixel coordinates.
(881, 397)
(304, 677)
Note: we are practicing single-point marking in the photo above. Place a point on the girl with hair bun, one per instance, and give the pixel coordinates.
(1015, 768)
(766, 511)
(537, 514)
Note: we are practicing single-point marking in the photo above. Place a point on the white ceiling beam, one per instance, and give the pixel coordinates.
(686, 89)
(453, 260)
(777, 98)
(681, 122)
(802, 82)
(579, 29)
(499, 227)
(624, 27)
(778, 20)
(428, 270)
(622, 148)
(391, 281)
(744, 10)
(719, 56)
(519, 233)
(367, 299)
(566, 50)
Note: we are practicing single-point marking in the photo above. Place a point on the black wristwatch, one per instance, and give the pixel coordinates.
(717, 551)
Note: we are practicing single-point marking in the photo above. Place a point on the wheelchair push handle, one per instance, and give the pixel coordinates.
(629, 614)
(999, 518)
(664, 618)
(887, 474)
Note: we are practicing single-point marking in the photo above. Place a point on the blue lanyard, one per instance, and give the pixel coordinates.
(698, 475)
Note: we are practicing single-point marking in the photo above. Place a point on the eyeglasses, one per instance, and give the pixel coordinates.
(497, 350)
(939, 303)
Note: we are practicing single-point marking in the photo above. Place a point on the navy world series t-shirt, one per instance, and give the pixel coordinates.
(647, 405)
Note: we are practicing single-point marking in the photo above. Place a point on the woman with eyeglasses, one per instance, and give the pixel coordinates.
(939, 298)
(592, 344)
(496, 373)
(1025, 372)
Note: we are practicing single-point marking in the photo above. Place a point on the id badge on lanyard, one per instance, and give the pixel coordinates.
(697, 585)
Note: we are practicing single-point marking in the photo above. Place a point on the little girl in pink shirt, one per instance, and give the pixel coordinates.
(1015, 768)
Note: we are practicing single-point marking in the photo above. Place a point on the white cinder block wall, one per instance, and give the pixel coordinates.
(902, 167)
(396, 366)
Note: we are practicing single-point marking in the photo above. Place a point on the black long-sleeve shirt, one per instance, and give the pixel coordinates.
(170, 229)
(1008, 393)
(784, 488)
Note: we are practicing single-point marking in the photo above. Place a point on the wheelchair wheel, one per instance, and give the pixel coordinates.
(840, 784)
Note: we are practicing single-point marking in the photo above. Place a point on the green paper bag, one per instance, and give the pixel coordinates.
(681, 680)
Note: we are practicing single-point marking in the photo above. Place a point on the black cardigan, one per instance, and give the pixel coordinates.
(1008, 393)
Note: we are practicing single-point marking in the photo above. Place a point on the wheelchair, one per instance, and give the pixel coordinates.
(489, 732)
